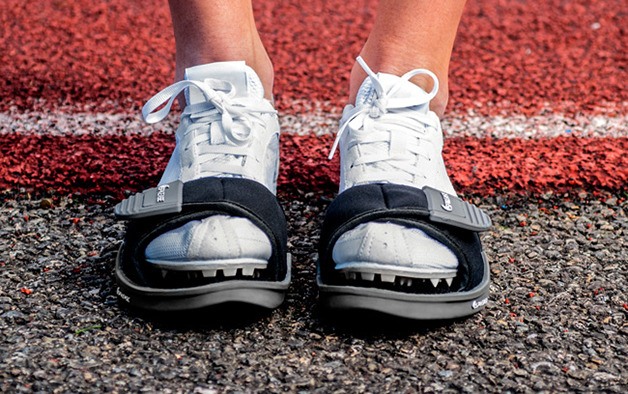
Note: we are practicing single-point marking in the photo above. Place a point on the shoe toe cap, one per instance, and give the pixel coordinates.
(214, 238)
(392, 244)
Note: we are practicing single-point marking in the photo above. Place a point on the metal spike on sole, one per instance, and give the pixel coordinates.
(350, 275)
(388, 278)
(248, 271)
(408, 282)
(368, 276)
(435, 281)
(230, 271)
(209, 273)
(163, 273)
(449, 281)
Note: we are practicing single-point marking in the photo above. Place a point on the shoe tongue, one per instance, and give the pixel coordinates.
(407, 89)
(243, 78)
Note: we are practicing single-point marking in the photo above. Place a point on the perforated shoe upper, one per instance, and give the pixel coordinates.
(391, 136)
(227, 128)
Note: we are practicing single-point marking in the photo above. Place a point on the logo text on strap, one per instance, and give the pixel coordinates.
(446, 202)
(161, 193)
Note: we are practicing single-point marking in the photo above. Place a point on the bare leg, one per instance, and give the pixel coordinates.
(411, 34)
(209, 31)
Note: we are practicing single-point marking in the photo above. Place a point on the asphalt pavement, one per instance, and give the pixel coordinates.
(556, 320)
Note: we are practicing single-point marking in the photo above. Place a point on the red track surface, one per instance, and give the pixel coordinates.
(113, 164)
(512, 57)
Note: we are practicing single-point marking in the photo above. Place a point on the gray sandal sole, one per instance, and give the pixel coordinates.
(264, 294)
(407, 305)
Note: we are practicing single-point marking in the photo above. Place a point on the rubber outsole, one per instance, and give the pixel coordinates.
(263, 294)
(406, 305)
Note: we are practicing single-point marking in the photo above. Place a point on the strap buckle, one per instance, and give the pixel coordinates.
(447, 209)
(160, 200)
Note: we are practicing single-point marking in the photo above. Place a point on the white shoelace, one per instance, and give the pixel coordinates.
(221, 126)
(389, 130)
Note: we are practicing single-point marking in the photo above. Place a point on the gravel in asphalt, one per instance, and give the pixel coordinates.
(557, 319)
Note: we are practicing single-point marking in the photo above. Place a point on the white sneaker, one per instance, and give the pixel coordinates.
(227, 129)
(391, 136)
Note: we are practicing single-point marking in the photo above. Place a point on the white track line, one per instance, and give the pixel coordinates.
(321, 123)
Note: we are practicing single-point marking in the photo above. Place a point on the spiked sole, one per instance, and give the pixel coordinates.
(389, 273)
(264, 294)
(407, 305)
(213, 268)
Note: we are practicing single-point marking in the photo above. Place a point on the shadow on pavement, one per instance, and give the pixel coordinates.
(369, 324)
(220, 317)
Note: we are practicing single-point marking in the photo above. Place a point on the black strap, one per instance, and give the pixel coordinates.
(446, 218)
(159, 210)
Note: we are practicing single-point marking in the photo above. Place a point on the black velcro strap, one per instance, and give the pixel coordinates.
(444, 217)
(167, 207)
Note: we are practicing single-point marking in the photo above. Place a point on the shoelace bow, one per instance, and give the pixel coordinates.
(220, 112)
(373, 124)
